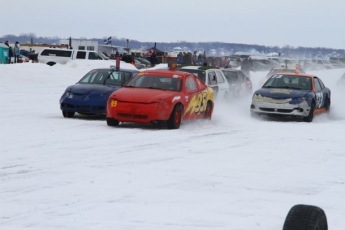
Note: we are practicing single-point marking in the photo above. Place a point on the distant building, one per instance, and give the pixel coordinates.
(37, 48)
(110, 49)
(78, 44)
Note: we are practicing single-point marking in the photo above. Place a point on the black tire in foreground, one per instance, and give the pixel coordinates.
(305, 217)
(68, 114)
(310, 116)
(112, 122)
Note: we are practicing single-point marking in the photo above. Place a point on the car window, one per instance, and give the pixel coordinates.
(199, 73)
(318, 85)
(212, 79)
(201, 86)
(232, 76)
(287, 81)
(156, 82)
(57, 53)
(94, 56)
(191, 85)
(94, 77)
(81, 55)
(116, 78)
(220, 78)
(241, 77)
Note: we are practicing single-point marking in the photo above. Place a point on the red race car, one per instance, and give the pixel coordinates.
(160, 96)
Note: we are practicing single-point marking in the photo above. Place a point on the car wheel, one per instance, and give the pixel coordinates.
(310, 116)
(68, 114)
(328, 104)
(208, 111)
(112, 122)
(305, 217)
(255, 115)
(175, 118)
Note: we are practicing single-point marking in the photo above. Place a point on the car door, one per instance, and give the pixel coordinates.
(242, 81)
(211, 80)
(320, 92)
(195, 99)
(222, 84)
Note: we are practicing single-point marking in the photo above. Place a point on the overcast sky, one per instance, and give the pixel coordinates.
(309, 23)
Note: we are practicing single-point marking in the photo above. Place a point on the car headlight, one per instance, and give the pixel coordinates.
(297, 100)
(163, 104)
(69, 94)
(258, 98)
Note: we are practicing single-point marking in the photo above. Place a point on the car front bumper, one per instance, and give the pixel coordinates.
(86, 107)
(270, 108)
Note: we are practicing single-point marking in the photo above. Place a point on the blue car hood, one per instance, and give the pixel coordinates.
(85, 89)
(280, 93)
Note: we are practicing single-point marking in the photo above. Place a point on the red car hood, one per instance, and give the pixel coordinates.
(141, 95)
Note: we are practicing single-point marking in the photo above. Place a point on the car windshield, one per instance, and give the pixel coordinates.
(200, 73)
(288, 82)
(155, 82)
(103, 56)
(106, 77)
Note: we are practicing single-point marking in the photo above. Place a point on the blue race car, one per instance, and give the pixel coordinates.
(89, 96)
(292, 94)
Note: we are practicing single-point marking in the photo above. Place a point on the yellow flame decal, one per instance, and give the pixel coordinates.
(198, 103)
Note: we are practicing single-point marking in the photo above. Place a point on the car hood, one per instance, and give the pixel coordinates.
(141, 95)
(279, 93)
(85, 89)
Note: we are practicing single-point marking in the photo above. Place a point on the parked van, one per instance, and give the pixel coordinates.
(51, 56)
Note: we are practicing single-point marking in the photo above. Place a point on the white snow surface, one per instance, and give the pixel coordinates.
(231, 173)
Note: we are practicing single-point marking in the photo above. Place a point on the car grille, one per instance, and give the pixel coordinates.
(82, 107)
(276, 110)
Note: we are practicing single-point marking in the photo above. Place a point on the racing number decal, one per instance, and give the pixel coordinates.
(198, 103)
(201, 104)
(319, 100)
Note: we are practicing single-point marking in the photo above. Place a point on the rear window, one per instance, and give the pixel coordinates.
(57, 53)
(200, 73)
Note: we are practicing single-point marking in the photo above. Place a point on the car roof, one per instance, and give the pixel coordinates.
(229, 69)
(296, 74)
(199, 67)
(165, 72)
(127, 70)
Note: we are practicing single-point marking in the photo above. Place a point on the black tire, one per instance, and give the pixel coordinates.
(310, 116)
(68, 114)
(328, 104)
(175, 118)
(255, 115)
(51, 63)
(112, 122)
(208, 111)
(305, 217)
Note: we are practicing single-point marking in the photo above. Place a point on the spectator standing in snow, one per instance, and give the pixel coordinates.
(10, 52)
(153, 59)
(16, 52)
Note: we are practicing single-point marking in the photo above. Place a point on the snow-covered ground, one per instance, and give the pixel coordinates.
(231, 173)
